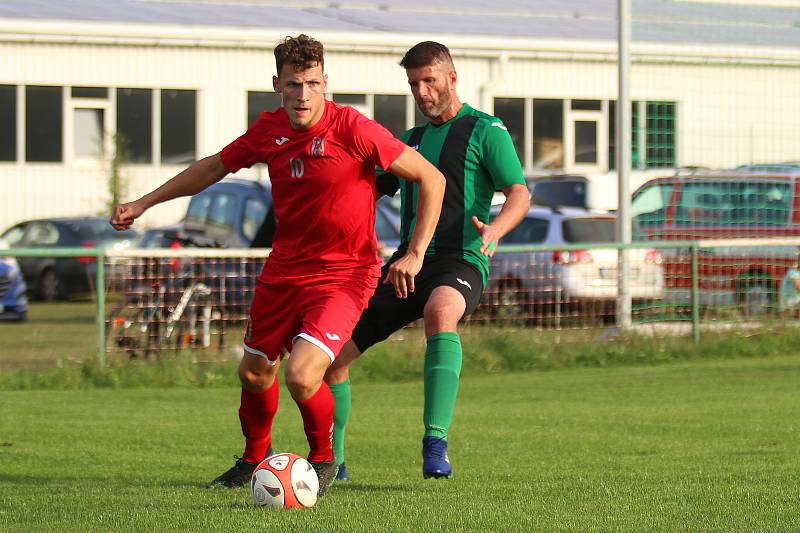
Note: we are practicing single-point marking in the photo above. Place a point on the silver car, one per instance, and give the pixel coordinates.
(561, 283)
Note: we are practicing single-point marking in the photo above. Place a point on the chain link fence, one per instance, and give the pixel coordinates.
(178, 300)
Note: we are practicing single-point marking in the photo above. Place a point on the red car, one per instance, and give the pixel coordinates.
(723, 205)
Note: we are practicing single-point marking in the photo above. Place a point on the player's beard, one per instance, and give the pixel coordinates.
(440, 107)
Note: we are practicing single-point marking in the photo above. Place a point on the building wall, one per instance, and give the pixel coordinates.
(727, 114)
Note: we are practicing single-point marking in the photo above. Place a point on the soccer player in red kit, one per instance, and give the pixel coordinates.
(324, 265)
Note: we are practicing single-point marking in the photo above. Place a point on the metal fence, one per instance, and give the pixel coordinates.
(156, 301)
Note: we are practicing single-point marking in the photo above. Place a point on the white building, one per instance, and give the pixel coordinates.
(716, 83)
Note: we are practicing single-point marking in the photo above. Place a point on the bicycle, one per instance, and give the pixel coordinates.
(150, 319)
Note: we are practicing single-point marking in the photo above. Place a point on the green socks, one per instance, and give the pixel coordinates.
(442, 369)
(341, 414)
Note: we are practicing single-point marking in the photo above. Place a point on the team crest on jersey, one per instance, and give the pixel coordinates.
(318, 147)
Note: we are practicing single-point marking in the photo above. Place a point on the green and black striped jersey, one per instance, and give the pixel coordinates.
(477, 157)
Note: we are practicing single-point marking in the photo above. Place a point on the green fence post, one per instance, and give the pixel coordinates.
(100, 291)
(695, 296)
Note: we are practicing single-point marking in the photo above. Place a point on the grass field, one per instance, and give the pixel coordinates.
(692, 446)
(54, 331)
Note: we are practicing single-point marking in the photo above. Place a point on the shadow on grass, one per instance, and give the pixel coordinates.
(354, 486)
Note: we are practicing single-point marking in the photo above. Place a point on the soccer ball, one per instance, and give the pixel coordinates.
(284, 480)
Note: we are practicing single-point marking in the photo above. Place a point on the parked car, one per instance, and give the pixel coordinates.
(541, 284)
(50, 278)
(722, 205)
(13, 300)
(565, 190)
(230, 213)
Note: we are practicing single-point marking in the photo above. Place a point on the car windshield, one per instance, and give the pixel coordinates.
(530, 230)
(589, 229)
(559, 193)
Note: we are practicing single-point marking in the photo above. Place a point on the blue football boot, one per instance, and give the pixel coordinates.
(342, 474)
(434, 458)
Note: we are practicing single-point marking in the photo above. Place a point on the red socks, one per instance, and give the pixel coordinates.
(317, 413)
(256, 411)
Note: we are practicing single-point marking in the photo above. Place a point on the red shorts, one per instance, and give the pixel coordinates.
(323, 312)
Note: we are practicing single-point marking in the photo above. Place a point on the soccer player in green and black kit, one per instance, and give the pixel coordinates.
(475, 153)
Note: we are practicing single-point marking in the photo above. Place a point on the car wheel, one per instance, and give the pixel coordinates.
(49, 286)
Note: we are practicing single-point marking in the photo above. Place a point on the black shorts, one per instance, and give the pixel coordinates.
(386, 313)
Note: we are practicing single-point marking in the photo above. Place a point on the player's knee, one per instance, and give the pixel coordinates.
(255, 380)
(302, 384)
(440, 318)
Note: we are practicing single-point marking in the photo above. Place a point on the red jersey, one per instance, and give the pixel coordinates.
(323, 187)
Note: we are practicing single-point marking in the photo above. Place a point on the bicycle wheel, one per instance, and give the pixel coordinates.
(125, 331)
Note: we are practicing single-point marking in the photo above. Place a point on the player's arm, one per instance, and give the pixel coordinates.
(518, 200)
(412, 167)
(193, 179)
(499, 158)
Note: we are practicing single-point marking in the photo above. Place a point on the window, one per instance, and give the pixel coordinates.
(586, 105)
(178, 126)
(360, 102)
(89, 92)
(258, 101)
(512, 112)
(44, 123)
(566, 192)
(660, 148)
(548, 133)
(135, 125)
(530, 231)
(585, 141)
(197, 212)
(88, 132)
(589, 230)
(390, 111)
(42, 234)
(13, 237)
(649, 206)
(8, 123)
(254, 214)
(350, 99)
(747, 203)
(222, 213)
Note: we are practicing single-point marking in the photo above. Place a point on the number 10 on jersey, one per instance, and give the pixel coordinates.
(297, 168)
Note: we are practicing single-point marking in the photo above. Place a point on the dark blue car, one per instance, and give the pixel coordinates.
(13, 300)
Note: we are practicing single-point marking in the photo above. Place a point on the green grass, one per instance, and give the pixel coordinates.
(55, 350)
(57, 331)
(691, 446)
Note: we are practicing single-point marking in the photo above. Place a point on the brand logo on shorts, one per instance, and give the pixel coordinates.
(318, 147)
(281, 140)
(461, 281)
(333, 337)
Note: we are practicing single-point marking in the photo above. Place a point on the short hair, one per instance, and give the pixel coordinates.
(302, 52)
(424, 54)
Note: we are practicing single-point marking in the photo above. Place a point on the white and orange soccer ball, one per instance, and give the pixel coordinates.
(284, 480)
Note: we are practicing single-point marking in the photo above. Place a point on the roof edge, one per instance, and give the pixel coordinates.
(127, 34)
